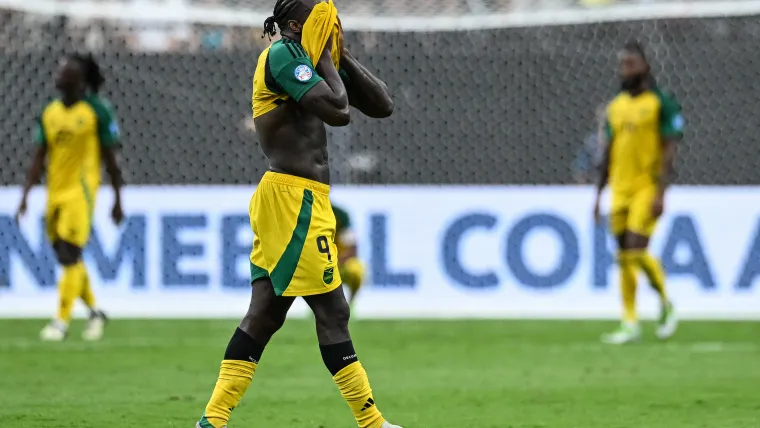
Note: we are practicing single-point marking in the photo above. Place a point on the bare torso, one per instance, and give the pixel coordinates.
(295, 142)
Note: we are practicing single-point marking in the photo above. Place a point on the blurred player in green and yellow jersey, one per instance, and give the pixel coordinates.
(644, 126)
(350, 267)
(74, 132)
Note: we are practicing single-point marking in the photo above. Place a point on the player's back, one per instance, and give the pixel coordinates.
(635, 127)
(72, 135)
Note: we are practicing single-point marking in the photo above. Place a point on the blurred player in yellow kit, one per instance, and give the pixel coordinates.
(644, 126)
(74, 132)
(350, 267)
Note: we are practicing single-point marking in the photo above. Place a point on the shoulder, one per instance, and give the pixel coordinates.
(667, 99)
(49, 108)
(279, 52)
(616, 104)
(99, 106)
(107, 104)
(616, 100)
(283, 52)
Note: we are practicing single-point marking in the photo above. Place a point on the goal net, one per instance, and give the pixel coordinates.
(486, 91)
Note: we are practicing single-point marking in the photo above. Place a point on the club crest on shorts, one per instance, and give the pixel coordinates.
(303, 73)
(328, 276)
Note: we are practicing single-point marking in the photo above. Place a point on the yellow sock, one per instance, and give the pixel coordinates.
(87, 296)
(69, 287)
(354, 387)
(628, 285)
(234, 378)
(655, 273)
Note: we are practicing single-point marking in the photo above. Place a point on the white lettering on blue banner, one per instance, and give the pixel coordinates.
(450, 252)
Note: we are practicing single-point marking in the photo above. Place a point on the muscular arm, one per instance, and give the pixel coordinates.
(671, 130)
(669, 150)
(35, 170)
(366, 92)
(604, 168)
(328, 99)
(113, 170)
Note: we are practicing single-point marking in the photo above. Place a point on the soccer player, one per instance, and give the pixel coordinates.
(644, 126)
(294, 253)
(74, 133)
(350, 267)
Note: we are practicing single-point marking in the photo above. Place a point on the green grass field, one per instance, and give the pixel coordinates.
(426, 374)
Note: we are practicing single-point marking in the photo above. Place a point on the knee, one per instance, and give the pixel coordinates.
(636, 242)
(261, 327)
(335, 322)
(67, 254)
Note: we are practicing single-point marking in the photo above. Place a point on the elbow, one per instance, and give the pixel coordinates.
(379, 109)
(385, 109)
(386, 106)
(339, 118)
(343, 120)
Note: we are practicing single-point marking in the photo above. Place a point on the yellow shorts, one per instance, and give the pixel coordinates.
(352, 272)
(633, 212)
(294, 235)
(69, 220)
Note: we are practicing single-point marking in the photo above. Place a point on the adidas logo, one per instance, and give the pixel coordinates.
(370, 402)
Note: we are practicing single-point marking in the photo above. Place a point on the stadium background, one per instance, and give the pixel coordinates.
(468, 203)
(512, 103)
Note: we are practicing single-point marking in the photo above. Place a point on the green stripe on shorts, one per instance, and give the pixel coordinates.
(283, 272)
(258, 272)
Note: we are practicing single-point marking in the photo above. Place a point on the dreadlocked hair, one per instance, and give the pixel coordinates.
(93, 77)
(282, 9)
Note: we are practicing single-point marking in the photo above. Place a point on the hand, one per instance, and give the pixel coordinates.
(117, 214)
(340, 36)
(597, 211)
(658, 205)
(21, 210)
(326, 58)
(328, 48)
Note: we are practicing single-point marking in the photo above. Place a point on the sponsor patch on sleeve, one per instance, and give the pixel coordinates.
(303, 73)
(113, 128)
(678, 122)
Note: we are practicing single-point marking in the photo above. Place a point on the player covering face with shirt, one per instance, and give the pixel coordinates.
(643, 128)
(303, 81)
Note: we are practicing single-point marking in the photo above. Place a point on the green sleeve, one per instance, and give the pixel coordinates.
(108, 130)
(292, 69)
(114, 126)
(671, 119)
(39, 132)
(342, 219)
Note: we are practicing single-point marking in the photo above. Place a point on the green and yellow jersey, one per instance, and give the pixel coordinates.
(73, 136)
(283, 71)
(636, 127)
